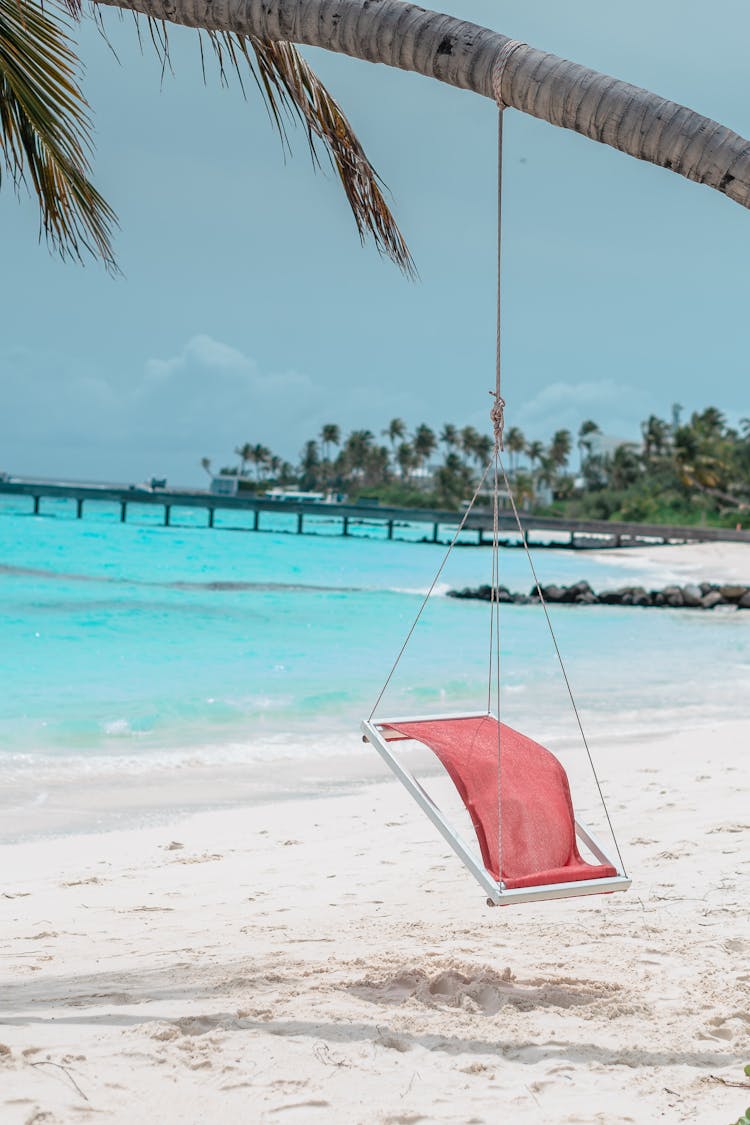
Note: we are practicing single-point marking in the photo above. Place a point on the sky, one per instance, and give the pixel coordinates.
(248, 311)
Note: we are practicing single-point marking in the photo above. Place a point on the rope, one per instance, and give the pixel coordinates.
(426, 598)
(560, 661)
(497, 417)
(498, 68)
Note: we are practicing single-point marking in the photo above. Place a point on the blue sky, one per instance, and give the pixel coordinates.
(249, 312)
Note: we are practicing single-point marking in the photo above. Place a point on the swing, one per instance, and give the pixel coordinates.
(515, 791)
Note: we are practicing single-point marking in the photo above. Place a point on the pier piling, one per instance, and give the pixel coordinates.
(554, 532)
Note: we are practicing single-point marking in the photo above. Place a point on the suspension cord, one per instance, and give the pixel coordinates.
(433, 584)
(560, 660)
(497, 416)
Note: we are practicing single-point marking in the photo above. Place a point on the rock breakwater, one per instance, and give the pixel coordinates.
(698, 595)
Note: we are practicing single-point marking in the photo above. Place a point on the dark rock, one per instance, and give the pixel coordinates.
(692, 595)
(673, 596)
(732, 593)
(572, 593)
(615, 597)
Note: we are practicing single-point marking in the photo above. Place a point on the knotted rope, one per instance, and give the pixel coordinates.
(497, 413)
(497, 417)
(509, 47)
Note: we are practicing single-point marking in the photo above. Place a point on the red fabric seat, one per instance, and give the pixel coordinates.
(539, 844)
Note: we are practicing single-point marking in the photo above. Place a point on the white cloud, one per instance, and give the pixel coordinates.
(203, 400)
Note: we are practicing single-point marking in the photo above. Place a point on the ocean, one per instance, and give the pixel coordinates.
(133, 647)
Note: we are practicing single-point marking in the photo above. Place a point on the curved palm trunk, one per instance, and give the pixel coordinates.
(462, 54)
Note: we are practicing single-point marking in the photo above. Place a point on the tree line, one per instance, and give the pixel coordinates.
(687, 471)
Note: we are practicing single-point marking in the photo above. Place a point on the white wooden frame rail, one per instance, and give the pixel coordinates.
(497, 894)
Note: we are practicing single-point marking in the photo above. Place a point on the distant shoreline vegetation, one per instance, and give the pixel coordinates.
(691, 472)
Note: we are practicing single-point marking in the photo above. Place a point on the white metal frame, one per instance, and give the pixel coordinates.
(497, 893)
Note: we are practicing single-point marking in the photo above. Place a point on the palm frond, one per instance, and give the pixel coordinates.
(292, 89)
(45, 130)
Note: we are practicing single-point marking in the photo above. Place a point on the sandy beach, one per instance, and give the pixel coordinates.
(327, 960)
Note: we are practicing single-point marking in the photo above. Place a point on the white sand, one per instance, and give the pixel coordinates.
(327, 961)
(691, 562)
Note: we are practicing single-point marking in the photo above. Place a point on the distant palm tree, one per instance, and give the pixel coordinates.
(376, 464)
(260, 455)
(468, 438)
(547, 472)
(357, 449)
(424, 443)
(245, 454)
(206, 465)
(309, 465)
(515, 443)
(655, 433)
(560, 447)
(449, 436)
(710, 421)
(624, 466)
(483, 447)
(523, 488)
(406, 459)
(329, 435)
(534, 452)
(586, 431)
(395, 431)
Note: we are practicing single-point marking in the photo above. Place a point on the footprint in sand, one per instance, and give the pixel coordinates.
(206, 858)
(726, 1027)
(482, 990)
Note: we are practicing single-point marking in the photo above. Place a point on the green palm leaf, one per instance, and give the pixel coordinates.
(291, 87)
(45, 130)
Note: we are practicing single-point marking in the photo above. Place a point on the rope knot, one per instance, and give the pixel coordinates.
(497, 417)
(498, 68)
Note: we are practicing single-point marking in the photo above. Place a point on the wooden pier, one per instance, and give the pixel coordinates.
(439, 525)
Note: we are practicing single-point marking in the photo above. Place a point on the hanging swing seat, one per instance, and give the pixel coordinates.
(515, 791)
(535, 855)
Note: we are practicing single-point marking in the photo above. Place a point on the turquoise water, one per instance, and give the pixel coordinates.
(130, 645)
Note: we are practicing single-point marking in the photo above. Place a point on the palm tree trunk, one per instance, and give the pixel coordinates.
(462, 54)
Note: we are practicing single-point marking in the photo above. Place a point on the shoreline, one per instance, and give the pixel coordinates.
(329, 961)
(92, 805)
